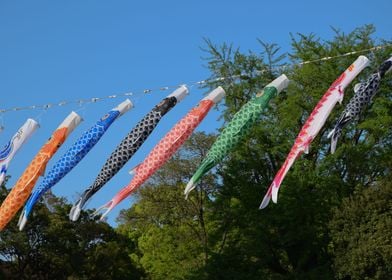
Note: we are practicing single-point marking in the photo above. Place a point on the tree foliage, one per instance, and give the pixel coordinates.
(173, 233)
(291, 239)
(52, 247)
(361, 239)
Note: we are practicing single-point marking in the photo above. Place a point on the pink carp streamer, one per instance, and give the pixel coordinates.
(314, 123)
(168, 145)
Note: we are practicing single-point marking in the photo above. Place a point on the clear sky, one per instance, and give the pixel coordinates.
(64, 50)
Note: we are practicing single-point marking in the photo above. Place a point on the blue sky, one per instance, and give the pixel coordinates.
(65, 50)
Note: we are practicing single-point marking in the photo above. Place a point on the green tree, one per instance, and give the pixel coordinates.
(52, 247)
(290, 239)
(173, 234)
(361, 239)
(233, 239)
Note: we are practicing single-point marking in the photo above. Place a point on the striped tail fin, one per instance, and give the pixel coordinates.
(3, 172)
(22, 219)
(266, 198)
(203, 169)
(34, 197)
(106, 208)
(273, 190)
(120, 196)
(78, 206)
(74, 214)
(344, 119)
(334, 135)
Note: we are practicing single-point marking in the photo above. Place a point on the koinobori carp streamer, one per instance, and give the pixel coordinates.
(363, 95)
(25, 184)
(128, 147)
(314, 123)
(166, 147)
(237, 129)
(73, 156)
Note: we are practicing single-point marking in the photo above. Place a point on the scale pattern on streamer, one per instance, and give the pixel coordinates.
(242, 121)
(129, 146)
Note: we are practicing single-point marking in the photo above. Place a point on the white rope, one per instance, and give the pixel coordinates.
(192, 84)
